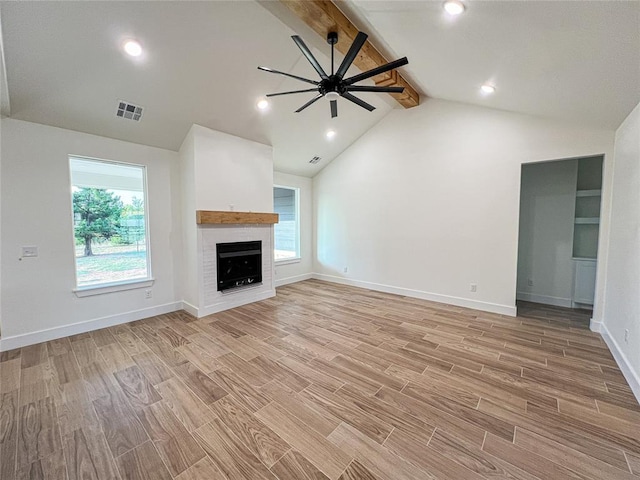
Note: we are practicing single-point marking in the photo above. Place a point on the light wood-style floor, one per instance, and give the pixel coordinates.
(322, 381)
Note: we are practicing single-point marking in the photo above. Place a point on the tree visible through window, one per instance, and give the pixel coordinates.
(109, 221)
(97, 214)
(287, 230)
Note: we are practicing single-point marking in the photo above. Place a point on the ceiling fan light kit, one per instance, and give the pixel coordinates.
(335, 85)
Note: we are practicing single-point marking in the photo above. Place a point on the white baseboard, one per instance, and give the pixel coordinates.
(219, 307)
(296, 278)
(595, 326)
(18, 341)
(190, 309)
(433, 297)
(544, 299)
(633, 377)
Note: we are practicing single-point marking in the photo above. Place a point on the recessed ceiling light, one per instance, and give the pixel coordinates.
(133, 48)
(331, 134)
(487, 89)
(262, 104)
(454, 7)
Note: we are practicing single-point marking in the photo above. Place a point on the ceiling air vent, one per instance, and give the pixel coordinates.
(128, 110)
(314, 160)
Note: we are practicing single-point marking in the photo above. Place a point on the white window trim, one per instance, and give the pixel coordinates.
(287, 261)
(102, 288)
(298, 257)
(110, 287)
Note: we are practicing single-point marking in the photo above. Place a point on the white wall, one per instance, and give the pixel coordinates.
(187, 200)
(545, 241)
(37, 293)
(211, 171)
(230, 170)
(622, 291)
(298, 270)
(426, 202)
(1, 274)
(4, 110)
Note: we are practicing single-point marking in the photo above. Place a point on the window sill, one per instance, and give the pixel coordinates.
(112, 287)
(287, 261)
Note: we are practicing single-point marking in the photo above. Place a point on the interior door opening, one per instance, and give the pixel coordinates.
(559, 228)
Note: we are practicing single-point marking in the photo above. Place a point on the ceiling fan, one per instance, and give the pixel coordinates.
(335, 85)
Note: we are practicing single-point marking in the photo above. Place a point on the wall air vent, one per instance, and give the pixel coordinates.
(128, 110)
(314, 160)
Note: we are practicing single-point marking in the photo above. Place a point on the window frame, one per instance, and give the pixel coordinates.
(298, 256)
(121, 285)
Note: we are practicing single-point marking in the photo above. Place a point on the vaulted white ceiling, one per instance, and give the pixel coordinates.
(66, 68)
(574, 60)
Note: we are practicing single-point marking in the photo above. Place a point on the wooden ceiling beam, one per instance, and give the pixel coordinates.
(323, 16)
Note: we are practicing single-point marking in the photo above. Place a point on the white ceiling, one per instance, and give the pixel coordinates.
(572, 60)
(65, 68)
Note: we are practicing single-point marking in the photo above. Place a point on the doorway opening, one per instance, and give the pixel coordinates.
(559, 228)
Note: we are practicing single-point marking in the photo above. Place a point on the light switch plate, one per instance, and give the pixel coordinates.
(31, 251)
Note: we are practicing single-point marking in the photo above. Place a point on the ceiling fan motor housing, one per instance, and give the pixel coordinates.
(331, 84)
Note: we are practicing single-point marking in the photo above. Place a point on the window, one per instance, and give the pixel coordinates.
(287, 230)
(109, 222)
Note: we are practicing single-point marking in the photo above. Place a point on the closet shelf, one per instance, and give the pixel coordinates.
(588, 193)
(587, 220)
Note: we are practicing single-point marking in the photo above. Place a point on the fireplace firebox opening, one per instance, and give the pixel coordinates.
(239, 264)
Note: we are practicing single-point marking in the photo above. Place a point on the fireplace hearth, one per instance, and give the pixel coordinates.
(238, 264)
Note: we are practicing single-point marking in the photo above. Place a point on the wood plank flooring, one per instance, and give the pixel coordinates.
(322, 382)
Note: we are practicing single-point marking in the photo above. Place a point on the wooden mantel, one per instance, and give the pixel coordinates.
(212, 217)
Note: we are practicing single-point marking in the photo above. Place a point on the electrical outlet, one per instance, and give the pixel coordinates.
(626, 335)
(147, 293)
(30, 251)
(530, 282)
(473, 287)
(345, 269)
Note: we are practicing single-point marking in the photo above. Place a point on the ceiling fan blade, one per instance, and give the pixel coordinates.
(314, 99)
(364, 88)
(351, 54)
(376, 71)
(334, 108)
(271, 70)
(312, 60)
(357, 101)
(293, 91)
